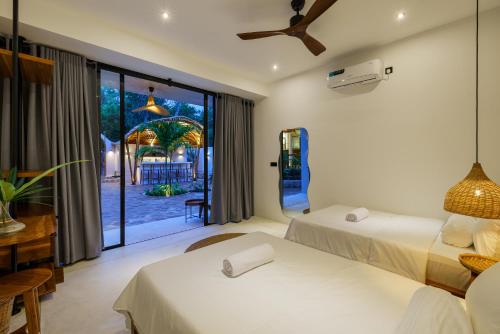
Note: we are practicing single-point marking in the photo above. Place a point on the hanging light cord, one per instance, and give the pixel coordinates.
(477, 81)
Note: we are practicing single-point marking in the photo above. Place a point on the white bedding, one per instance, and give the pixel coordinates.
(302, 291)
(392, 242)
(443, 266)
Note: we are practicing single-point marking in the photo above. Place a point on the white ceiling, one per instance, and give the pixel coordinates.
(208, 28)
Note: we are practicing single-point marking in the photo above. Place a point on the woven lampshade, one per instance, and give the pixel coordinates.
(475, 196)
(151, 105)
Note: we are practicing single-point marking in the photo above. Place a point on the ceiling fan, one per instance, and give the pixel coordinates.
(298, 25)
(151, 106)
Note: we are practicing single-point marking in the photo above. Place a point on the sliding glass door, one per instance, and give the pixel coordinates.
(156, 175)
(110, 147)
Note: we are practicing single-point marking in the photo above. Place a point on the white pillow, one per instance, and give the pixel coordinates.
(487, 237)
(434, 311)
(458, 231)
(483, 301)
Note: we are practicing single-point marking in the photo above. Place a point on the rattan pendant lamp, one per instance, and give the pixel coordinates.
(476, 195)
(151, 105)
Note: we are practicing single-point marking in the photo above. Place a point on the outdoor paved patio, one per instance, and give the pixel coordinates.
(140, 208)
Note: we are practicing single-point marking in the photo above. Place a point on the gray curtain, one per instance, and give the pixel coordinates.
(232, 193)
(60, 124)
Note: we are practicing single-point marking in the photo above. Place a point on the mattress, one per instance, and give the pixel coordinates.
(443, 266)
(303, 290)
(396, 243)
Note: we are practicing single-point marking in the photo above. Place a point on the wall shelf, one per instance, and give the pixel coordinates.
(33, 69)
(25, 173)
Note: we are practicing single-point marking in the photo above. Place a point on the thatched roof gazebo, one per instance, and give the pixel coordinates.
(142, 135)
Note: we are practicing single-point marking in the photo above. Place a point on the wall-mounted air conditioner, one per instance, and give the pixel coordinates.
(364, 73)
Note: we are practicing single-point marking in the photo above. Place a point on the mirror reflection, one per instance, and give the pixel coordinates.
(294, 171)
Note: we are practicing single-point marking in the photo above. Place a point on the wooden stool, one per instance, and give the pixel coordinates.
(24, 283)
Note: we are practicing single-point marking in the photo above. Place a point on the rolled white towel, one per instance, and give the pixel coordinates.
(357, 215)
(246, 260)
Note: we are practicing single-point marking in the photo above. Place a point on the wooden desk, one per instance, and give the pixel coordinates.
(40, 224)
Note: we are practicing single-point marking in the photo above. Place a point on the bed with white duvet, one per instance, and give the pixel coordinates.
(392, 242)
(302, 291)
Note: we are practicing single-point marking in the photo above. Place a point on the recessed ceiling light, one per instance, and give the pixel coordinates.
(401, 16)
(275, 67)
(164, 15)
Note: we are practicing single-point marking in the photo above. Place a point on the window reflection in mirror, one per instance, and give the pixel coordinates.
(294, 171)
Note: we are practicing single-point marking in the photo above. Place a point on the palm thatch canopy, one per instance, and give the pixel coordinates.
(142, 135)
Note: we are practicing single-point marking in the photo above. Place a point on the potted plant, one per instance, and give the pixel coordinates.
(13, 189)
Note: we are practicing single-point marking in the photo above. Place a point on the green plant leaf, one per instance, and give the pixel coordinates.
(19, 182)
(31, 191)
(12, 175)
(8, 191)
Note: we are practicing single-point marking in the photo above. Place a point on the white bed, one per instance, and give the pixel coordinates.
(444, 268)
(396, 243)
(302, 289)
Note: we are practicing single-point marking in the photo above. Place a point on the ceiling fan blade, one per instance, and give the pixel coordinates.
(318, 8)
(313, 44)
(261, 34)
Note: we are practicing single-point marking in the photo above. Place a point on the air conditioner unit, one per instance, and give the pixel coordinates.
(364, 73)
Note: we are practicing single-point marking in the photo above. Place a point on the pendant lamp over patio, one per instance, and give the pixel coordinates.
(151, 106)
(476, 195)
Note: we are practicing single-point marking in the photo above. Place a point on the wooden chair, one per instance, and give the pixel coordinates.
(25, 283)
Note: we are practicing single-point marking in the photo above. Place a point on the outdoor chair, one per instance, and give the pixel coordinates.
(190, 203)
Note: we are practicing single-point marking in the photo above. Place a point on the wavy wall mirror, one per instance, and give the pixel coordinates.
(294, 171)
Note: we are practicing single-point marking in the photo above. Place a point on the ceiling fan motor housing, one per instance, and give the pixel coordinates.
(296, 19)
(298, 5)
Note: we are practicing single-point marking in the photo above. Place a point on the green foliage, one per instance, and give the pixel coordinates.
(170, 135)
(110, 113)
(292, 173)
(295, 161)
(166, 190)
(198, 186)
(148, 150)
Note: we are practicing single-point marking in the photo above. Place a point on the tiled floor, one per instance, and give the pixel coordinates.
(83, 303)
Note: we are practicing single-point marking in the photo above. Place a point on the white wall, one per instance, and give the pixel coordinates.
(399, 145)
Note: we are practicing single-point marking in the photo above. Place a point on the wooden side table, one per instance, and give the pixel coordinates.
(34, 246)
(476, 263)
(40, 223)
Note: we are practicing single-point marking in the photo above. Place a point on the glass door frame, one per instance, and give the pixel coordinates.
(122, 72)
